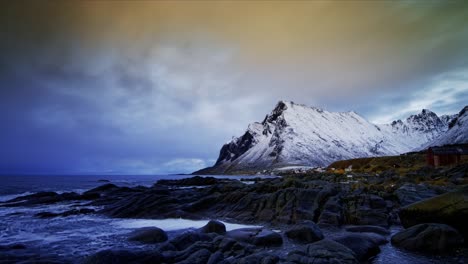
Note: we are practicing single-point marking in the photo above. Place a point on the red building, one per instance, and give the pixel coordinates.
(446, 155)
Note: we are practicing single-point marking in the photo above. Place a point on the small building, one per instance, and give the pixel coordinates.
(447, 155)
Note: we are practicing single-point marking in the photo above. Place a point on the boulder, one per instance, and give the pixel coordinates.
(244, 234)
(215, 258)
(438, 238)
(201, 256)
(362, 245)
(324, 251)
(260, 258)
(410, 193)
(332, 213)
(214, 226)
(307, 232)
(366, 209)
(450, 208)
(268, 238)
(186, 239)
(148, 235)
(100, 189)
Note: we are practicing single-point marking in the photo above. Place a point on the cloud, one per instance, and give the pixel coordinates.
(184, 165)
(446, 93)
(151, 87)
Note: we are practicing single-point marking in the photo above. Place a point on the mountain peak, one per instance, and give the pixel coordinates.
(299, 135)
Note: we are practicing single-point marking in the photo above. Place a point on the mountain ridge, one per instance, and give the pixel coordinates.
(298, 135)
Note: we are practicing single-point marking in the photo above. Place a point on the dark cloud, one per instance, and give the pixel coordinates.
(155, 87)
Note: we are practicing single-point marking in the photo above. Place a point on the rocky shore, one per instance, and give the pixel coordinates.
(297, 213)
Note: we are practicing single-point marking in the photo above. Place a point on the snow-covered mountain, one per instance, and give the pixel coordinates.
(297, 135)
(457, 132)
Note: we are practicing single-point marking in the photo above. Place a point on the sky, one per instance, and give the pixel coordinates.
(154, 87)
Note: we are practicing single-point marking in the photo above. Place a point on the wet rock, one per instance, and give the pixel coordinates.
(307, 232)
(411, 193)
(332, 213)
(449, 208)
(244, 234)
(439, 238)
(268, 238)
(257, 236)
(362, 245)
(323, 252)
(366, 209)
(186, 239)
(201, 256)
(148, 235)
(124, 256)
(41, 198)
(368, 229)
(260, 258)
(101, 189)
(214, 226)
(216, 258)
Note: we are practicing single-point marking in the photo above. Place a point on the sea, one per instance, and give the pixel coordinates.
(71, 239)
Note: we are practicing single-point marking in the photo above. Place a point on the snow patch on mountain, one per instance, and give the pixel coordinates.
(457, 132)
(298, 135)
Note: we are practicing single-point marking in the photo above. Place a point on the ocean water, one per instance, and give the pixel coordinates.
(72, 238)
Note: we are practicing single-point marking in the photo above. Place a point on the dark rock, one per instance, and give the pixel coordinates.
(103, 180)
(368, 229)
(186, 239)
(41, 198)
(439, 238)
(323, 252)
(149, 235)
(268, 238)
(366, 209)
(259, 258)
(101, 189)
(214, 226)
(449, 208)
(201, 256)
(257, 236)
(332, 213)
(411, 193)
(363, 246)
(306, 232)
(216, 258)
(124, 256)
(244, 234)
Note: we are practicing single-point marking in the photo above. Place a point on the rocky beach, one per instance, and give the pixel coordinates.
(357, 216)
